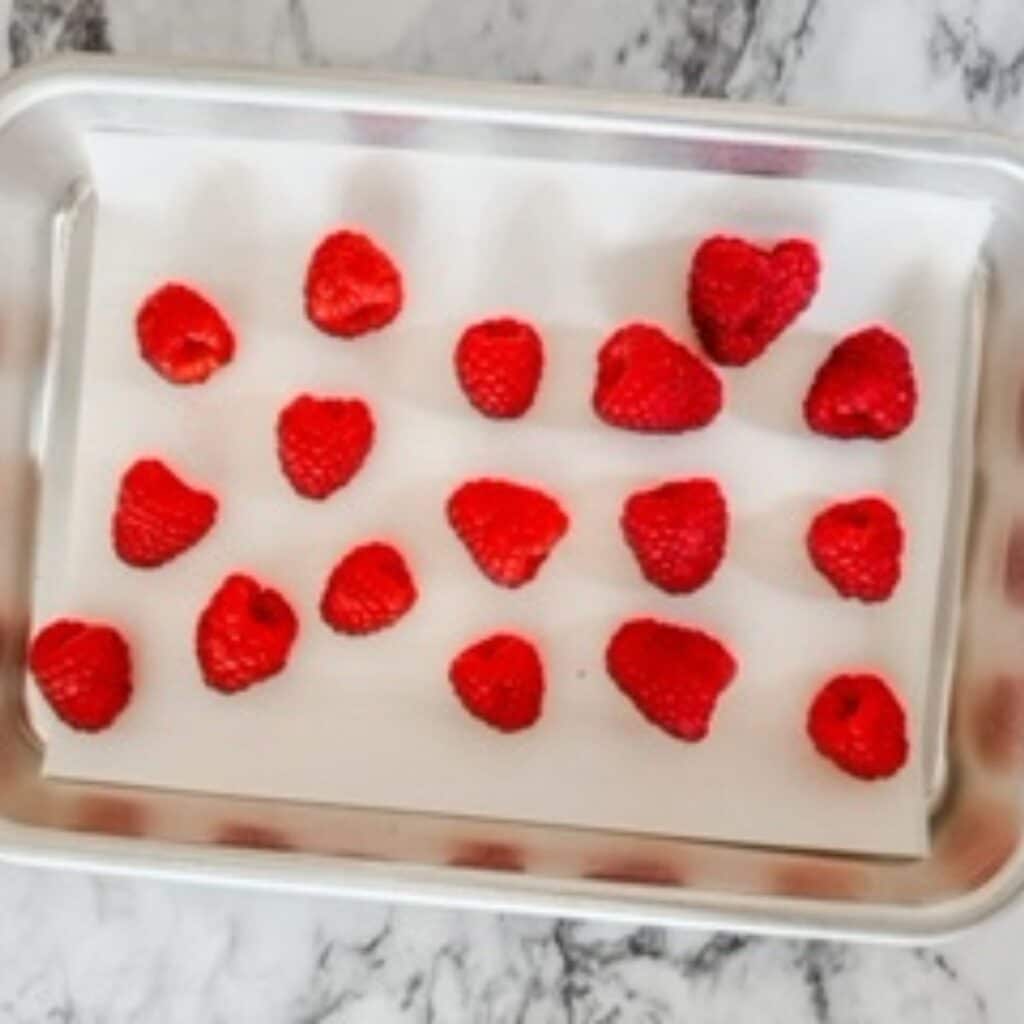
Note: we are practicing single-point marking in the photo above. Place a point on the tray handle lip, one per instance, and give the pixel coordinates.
(66, 74)
(428, 885)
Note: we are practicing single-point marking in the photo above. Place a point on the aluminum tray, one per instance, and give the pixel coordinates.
(974, 759)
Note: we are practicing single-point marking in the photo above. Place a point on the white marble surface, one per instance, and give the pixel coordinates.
(75, 948)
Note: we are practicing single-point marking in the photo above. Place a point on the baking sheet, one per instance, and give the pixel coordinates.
(578, 249)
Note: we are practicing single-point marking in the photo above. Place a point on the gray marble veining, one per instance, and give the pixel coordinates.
(74, 948)
(91, 949)
(959, 59)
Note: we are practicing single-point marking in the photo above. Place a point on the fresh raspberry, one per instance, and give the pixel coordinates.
(158, 515)
(508, 528)
(84, 671)
(244, 634)
(646, 381)
(865, 388)
(857, 722)
(500, 680)
(857, 545)
(322, 442)
(677, 532)
(672, 674)
(743, 297)
(370, 588)
(499, 363)
(182, 335)
(352, 286)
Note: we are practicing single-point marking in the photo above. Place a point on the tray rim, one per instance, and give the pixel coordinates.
(459, 887)
(510, 102)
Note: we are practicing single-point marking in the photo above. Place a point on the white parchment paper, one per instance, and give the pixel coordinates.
(577, 249)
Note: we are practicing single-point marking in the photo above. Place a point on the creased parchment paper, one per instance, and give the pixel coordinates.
(578, 249)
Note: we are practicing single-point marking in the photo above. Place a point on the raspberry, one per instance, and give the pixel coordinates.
(743, 297)
(646, 381)
(857, 723)
(352, 286)
(865, 388)
(499, 363)
(508, 528)
(182, 335)
(323, 442)
(158, 515)
(673, 674)
(244, 634)
(84, 671)
(857, 545)
(369, 589)
(500, 680)
(677, 532)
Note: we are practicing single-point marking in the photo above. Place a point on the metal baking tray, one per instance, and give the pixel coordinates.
(976, 724)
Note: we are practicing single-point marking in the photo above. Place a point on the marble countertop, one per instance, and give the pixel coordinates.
(77, 948)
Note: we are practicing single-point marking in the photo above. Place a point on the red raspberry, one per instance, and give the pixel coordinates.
(672, 674)
(500, 680)
(84, 671)
(743, 297)
(352, 286)
(646, 381)
(323, 442)
(499, 363)
(857, 545)
(508, 528)
(865, 388)
(369, 589)
(182, 335)
(244, 634)
(677, 532)
(857, 722)
(158, 516)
